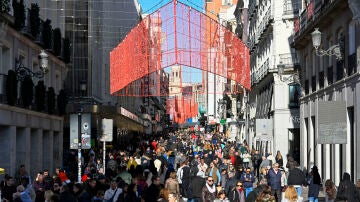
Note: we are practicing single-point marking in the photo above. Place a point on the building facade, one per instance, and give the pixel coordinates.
(269, 104)
(31, 133)
(328, 79)
(95, 28)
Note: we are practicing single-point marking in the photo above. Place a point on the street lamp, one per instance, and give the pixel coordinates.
(83, 87)
(22, 71)
(333, 50)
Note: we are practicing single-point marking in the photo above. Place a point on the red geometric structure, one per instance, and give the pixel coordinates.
(181, 108)
(176, 34)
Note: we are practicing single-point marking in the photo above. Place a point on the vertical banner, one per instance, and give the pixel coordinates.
(107, 130)
(85, 131)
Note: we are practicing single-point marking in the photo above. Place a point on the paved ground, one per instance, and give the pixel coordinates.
(305, 194)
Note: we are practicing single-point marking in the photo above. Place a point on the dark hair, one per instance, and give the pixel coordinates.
(131, 187)
(78, 185)
(221, 192)
(154, 177)
(55, 198)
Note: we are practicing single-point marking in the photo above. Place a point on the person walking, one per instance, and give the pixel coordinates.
(279, 159)
(291, 195)
(113, 192)
(196, 185)
(256, 161)
(246, 159)
(172, 184)
(248, 180)
(347, 190)
(237, 193)
(221, 197)
(230, 183)
(314, 185)
(274, 177)
(330, 191)
(213, 171)
(296, 178)
(209, 191)
(152, 193)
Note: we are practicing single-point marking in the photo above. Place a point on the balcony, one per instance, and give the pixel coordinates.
(258, 33)
(291, 8)
(317, 13)
(260, 73)
(289, 60)
(264, 24)
(41, 100)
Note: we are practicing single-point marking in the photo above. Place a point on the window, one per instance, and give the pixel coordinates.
(5, 63)
(294, 95)
(352, 50)
(330, 75)
(291, 7)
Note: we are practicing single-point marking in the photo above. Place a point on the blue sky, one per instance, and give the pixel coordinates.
(150, 6)
(190, 75)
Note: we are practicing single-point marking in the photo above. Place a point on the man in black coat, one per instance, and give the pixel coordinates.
(256, 160)
(65, 195)
(196, 185)
(231, 182)
(152, 193)
(297, 179)
(254, 194)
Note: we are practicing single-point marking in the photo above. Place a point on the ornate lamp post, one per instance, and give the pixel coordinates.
(22, 71)
(333, 50)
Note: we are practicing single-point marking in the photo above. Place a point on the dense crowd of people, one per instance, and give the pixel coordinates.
(180, 166)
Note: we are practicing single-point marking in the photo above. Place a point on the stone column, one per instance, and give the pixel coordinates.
(36, 150)
(8, 145)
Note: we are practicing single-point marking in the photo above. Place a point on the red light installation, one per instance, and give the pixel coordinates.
(176, 34)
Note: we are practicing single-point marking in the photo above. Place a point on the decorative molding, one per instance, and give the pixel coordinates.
(354, 6)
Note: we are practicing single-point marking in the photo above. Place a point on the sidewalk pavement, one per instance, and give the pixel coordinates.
(305, 194)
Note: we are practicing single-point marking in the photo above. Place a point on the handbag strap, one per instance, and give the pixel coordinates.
(114, 194)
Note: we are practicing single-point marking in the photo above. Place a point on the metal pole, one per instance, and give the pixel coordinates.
(104, 154)
(247, 109)
(79, 147)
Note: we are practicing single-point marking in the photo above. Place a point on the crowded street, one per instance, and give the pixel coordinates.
(184, 165)
(179, 100)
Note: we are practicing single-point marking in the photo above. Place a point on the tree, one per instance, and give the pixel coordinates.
(57, 41)
(19, 14)
(51, 100)
(4, 6)
(11, 88)
(47, 34)
(27, 91)
(66, 50)
(40, 90)
(34, 20)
